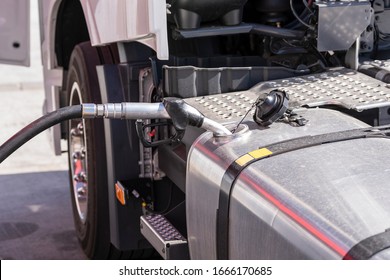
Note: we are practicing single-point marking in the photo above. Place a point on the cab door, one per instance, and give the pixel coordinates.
(15, 32)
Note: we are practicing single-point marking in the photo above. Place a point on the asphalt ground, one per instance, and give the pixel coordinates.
(35, 207)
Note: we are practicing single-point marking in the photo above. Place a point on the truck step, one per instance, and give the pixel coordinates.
(382, 64)
(164, 237)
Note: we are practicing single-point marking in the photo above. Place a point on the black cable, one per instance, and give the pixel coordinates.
(243, 118)
(298, 17)
(319, 55)
(308, 7)
(168, 204)
(36, 127)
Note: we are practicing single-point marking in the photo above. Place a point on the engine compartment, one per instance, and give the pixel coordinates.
(221, 68)
(297, 34)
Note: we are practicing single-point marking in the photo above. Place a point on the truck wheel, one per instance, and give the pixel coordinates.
(87, 157)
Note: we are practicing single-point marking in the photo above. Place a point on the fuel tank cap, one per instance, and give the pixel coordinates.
(271, 107)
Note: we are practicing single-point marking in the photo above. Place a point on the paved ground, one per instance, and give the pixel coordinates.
(35, 210)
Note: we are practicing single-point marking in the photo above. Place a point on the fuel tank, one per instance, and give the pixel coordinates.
(319, 201)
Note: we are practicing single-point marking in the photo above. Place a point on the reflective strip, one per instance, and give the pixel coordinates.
(256, 154)
(244, 160)
(260, 153)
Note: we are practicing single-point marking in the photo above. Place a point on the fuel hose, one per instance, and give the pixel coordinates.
(36, 127)
(114, 111)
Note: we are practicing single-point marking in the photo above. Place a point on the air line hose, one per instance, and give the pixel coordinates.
(36, 127)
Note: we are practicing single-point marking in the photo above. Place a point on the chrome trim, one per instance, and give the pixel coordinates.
(216, 128)
(78, 158)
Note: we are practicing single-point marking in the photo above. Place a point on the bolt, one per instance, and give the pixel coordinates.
(80, 177)
(76, 178)
(83, 177)
(74, 132)
(82, 191)
(370, 28)
(78, 155)
(77, 131)
(80, 126)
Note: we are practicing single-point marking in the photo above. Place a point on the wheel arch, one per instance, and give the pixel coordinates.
(70, 30)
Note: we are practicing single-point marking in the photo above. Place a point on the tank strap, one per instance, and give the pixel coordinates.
(235, 168)
(370, 246)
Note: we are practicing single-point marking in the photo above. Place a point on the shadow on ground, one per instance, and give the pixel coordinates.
(35, 217)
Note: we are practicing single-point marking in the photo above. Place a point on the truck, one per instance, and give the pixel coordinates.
(233, 129)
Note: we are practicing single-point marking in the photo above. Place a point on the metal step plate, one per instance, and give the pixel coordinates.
(164, 237)
(382, 64)
(339, 87)
(224, 107)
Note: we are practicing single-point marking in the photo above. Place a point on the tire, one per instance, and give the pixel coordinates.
(87, 157)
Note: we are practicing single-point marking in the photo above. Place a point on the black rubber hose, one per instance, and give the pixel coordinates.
(376, 73)
(36, 127)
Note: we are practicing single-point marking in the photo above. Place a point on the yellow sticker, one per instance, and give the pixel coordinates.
(244, 159)
(260, 153)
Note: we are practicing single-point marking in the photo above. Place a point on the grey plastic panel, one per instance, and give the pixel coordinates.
(190, 81)
(189, 14)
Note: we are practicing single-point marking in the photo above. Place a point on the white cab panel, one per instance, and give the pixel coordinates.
(128, 20)
(15, 32)
(52, 73)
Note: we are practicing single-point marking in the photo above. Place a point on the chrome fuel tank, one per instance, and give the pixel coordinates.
(311, 203)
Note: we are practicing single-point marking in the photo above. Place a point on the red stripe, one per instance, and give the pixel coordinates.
(78, 166)
(301, 221)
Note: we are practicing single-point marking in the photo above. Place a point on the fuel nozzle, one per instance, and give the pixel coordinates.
(271, 107)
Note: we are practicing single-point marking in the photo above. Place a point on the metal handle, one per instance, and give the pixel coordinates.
(128, 110)
(135, 111)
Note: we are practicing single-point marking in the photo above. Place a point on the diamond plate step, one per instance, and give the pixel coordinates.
(382, 64)
(339, 87)
(164, 237)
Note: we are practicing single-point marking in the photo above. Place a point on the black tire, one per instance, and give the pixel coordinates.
(92, 228)
(93, 231)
